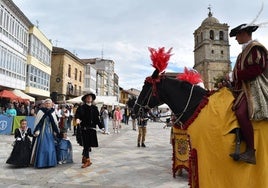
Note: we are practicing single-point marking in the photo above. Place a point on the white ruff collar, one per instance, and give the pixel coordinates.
(247, 43)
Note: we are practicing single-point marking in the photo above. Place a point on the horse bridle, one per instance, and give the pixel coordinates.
(146, 106)
(179, 115)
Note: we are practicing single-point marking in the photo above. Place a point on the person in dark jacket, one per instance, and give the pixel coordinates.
(142, 123)
(87, 116)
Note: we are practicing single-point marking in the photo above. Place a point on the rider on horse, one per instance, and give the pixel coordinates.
(250, 82)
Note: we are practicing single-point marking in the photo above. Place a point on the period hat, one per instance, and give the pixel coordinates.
(89, 94)
(243, 27)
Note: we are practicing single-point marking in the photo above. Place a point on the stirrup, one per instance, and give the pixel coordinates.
(248, 157)
(235, 156)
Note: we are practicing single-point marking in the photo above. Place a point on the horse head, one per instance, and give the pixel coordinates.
(181, 96)
(148, 97)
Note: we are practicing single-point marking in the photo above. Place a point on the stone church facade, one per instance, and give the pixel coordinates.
(211, 50)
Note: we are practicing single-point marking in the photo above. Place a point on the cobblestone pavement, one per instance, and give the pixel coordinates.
(117, 163)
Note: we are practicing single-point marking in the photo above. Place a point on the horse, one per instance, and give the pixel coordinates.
(208, 123)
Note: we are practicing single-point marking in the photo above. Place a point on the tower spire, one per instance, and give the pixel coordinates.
(209, 13)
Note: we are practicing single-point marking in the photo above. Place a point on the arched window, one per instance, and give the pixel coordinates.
(221, 35)
(211, 34)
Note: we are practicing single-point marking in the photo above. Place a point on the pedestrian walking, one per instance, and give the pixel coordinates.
(142, 124)
(46, 130)
(87, 115)
(117, 119)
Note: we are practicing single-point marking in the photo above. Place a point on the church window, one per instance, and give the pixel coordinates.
(212, 51)
(211, 34)
(221, 35)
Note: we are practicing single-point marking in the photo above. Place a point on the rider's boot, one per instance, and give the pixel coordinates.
(248, 156)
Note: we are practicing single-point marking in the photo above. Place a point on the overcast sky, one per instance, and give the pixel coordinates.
(122, 30)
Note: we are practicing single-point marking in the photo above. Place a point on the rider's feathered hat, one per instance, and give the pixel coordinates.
(243, 27)
(250, 27)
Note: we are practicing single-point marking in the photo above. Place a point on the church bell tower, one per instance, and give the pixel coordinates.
(211, 50)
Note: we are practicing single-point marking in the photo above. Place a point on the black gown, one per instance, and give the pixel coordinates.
(21, 153)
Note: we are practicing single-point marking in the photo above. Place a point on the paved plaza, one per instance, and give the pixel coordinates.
(117, 163)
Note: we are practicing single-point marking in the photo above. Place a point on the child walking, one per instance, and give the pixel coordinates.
(64, 149)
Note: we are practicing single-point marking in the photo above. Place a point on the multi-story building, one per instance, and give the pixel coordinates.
(107, 66)
(67, 80)
(25, 53)
(90, 82)
(14, 29)
(116, 85)
(105, 76)
(211, 50)
(38, 64)
(102, 83)
(125, 95)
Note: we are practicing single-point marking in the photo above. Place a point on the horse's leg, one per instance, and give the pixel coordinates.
(235, 155)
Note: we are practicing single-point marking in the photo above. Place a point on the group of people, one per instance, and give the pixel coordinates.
(16, 108)
(248, 79)
(49, 145)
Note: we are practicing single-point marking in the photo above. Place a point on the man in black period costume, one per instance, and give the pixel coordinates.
(87, 115)
(250, 82)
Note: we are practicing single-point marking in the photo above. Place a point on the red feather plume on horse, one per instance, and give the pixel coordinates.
(191, 76)
(160, 58)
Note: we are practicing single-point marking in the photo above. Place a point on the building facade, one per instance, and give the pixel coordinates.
(102, 83)
(116, 85)
(14, 28)
(38, 65)
(90, 82)
(67, 80)
(107, 66)
(125, 95)
(106, 85)
(211, 50)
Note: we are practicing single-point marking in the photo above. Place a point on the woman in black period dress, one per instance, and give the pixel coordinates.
(21, 153)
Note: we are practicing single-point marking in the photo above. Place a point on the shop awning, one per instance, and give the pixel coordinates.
(8, 94)
(23, 95)
(108, 100)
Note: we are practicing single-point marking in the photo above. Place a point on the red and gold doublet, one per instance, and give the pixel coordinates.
(250, 65)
